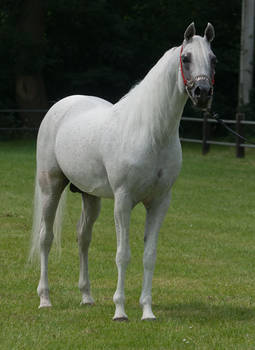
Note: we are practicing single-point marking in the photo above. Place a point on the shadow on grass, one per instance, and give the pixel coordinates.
(202, 312)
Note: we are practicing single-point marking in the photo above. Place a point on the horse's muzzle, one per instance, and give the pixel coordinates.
(201, 92)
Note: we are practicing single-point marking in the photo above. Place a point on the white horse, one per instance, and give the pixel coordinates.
(129, 151)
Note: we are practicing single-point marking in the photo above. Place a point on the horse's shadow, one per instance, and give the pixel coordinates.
(204, 312)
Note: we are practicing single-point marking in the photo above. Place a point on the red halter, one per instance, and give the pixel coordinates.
(182, 73)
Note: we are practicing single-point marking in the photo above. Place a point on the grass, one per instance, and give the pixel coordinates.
(204, 285)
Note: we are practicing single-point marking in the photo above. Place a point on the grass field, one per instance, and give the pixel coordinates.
(204, 285)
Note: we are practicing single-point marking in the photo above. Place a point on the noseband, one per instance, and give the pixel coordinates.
(189, 84)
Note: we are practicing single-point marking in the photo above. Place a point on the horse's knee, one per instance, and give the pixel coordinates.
(123, 257)
(149, 259)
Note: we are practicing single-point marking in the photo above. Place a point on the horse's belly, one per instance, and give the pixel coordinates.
(89, 177)
(87, 181)
(95, 188)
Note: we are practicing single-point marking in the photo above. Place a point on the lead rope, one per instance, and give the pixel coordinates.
(221, 122)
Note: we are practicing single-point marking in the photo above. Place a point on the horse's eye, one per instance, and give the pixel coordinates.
(186, 59)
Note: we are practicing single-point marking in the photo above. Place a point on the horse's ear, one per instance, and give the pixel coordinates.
(209, 32)
(190, 32)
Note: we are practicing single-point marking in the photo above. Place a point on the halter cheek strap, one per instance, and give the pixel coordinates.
(182, 73)
(213, 80)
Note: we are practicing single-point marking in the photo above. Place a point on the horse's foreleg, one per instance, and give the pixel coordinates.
(51, 189)
(122, 210)
(155, 215)
(90, 212)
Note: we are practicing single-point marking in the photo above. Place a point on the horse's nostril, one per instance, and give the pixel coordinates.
(197, 91)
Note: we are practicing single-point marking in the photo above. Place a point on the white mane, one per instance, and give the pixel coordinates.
(152, 100)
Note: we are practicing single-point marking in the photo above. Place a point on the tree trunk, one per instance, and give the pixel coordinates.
(247, 52)
(30, 88)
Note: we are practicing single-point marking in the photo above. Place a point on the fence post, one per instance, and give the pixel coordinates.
(240, 151)
(206, 134)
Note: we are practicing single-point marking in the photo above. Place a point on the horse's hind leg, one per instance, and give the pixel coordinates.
(90, 212)
(51, 185)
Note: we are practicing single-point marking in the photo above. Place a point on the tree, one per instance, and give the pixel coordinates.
(30, 89)
(104, 47)
(247, 52)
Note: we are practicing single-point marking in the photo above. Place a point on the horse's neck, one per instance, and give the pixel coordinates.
(151, 112)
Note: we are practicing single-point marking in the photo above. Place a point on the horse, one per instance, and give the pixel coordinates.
(128, 151)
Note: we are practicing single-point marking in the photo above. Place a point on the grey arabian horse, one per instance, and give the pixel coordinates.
(129, 151)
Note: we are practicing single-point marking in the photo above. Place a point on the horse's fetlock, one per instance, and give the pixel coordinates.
(145, 300)
(84, 287)
(119, 298)
(43, 292)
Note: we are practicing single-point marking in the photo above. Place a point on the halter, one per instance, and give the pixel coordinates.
(185, 81)
(190, 83)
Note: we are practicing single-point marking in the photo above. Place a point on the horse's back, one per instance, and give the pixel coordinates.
(74, 104)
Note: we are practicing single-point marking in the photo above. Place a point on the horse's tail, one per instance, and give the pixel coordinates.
(37, 217)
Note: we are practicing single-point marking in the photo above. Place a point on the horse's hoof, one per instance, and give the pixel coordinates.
(87, 300)
(148, 315)
(120, 314)
(44, 304)
(87, 304)
(120, 319)
(148, 318)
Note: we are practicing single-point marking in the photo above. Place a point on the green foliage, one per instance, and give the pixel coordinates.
(7, 38)
(203, 289)
(104, 47)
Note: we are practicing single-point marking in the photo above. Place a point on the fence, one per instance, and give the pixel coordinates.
(21, 129)
(205, 141)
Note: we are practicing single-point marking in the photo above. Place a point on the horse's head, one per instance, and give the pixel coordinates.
(197, 62)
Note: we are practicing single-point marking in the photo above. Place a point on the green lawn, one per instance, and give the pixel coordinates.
(204, 285)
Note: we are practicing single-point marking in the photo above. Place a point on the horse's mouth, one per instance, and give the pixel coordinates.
(201, 94)
(203, 104)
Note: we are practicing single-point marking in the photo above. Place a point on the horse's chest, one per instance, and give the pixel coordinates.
(153, 183)
(152, 179)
